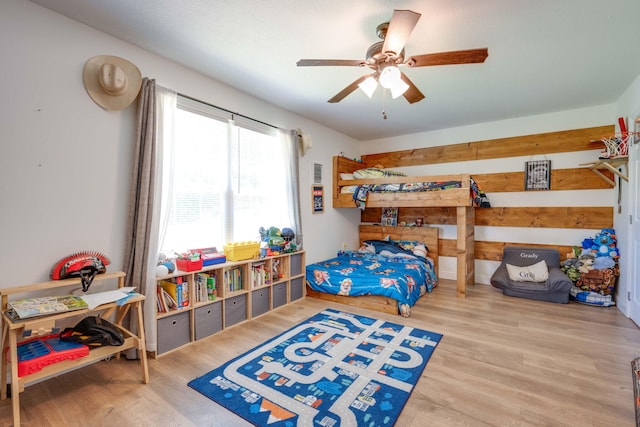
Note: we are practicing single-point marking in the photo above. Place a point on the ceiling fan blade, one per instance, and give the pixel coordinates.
(401, 25)
(347, 90)
(412, 94)
(471, 56)
(330, 62)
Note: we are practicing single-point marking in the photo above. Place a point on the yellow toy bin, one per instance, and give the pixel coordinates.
(241, 251)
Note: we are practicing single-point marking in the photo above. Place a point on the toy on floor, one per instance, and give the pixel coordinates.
(593, 268)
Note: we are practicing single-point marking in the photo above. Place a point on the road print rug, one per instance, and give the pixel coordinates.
(333, 369)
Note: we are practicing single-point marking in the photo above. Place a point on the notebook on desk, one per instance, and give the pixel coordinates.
(42, 306)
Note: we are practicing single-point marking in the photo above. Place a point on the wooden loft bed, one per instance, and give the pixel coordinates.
(460, 198)
(428, 235)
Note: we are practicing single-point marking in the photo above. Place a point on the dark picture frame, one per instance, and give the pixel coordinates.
(537, 175)
(317, 198)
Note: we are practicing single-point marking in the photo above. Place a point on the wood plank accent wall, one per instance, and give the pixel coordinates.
(594, 217)
(561, 179)
(527, 145)
(492, 251)
(531, 217)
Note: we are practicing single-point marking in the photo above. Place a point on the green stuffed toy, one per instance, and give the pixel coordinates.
(571, 266)
(272, 237)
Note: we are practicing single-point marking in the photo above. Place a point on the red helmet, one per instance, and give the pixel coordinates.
(85, 265)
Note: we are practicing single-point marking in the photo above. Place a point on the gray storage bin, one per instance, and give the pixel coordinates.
(208, 320)
(235, 310)
(279, 294)
(173, 331)
(295, 264)
(296, 290)
(259, 302)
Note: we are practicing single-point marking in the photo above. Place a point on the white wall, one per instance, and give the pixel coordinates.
(65, 162)
(586, 117)
(628, 107)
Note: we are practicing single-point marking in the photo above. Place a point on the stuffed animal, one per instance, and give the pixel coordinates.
(570, 268)
(603, 263)
(586, 261)
(603, 244)
(273, 238)
(587, 244)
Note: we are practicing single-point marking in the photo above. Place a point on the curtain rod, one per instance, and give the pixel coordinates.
(230, 112)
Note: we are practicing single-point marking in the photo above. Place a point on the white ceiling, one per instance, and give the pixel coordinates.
(544, 55)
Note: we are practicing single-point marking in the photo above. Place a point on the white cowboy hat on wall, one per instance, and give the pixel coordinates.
(112, 82)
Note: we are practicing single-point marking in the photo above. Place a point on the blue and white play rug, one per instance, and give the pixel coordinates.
(333, 369)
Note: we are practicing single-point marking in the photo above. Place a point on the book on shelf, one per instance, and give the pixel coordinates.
(178, 291)
(42, 306)
(160, 305)
(259, 274)
(233, 279)
(211, 288)
(200, 291)
(205, 287)
(165, 301)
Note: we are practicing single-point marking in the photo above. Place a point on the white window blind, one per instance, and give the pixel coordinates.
(227, 180)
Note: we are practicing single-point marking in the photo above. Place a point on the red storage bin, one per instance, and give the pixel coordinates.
(188, 265)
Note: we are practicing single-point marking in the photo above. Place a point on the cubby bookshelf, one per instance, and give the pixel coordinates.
(243, 290)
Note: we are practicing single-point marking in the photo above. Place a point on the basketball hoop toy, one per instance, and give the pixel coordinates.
(616, 145)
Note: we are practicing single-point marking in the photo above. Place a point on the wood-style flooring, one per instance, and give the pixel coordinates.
(503, 361)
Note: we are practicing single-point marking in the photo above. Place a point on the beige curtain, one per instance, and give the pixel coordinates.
(141, 201)
(293, 178)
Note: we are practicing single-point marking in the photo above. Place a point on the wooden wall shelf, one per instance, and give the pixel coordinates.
(611, 165)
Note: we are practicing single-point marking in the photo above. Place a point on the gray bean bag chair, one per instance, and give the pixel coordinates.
(521, 275)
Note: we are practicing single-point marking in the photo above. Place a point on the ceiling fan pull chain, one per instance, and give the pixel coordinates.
(384, 97)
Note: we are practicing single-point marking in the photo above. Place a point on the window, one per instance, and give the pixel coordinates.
(224, 180)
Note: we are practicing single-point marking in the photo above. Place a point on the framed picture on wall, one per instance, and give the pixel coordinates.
(389, 216)
(537, 175)
(317, 173)
(317, 198)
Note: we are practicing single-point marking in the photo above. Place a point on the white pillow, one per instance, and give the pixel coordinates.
(538, 272)
(348, 189)
(368, 248)
(420, 250)
(390, 254)
(346, 176)
(376, 173)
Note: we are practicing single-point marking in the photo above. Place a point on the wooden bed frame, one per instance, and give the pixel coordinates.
(460, 198)
(428, 235)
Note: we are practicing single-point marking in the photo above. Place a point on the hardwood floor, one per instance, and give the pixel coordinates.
(502, 362)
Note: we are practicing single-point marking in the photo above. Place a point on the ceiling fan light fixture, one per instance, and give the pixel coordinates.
(385, 56)
(398, 88)
(389, 76)
(368, 86)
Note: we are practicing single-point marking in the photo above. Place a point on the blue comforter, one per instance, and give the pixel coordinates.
(354, 273)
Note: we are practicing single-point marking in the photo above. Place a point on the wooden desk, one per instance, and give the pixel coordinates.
(14, 332)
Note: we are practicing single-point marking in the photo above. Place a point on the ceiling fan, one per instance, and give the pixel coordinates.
(385, 56)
